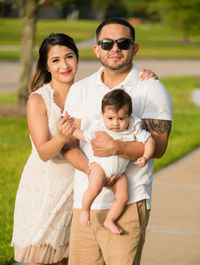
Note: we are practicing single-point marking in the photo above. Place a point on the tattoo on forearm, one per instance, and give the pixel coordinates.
(158, 126)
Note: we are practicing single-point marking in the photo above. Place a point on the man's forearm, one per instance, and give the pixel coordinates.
(160, 130)
(129, 150)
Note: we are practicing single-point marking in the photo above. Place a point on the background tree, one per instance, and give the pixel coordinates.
(29, 9)
(110, 8)
(137, 8)
(180, 14)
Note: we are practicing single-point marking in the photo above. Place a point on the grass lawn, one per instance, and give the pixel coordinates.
(156, 41)
(185, 134)
(11, 29)
(15, 147)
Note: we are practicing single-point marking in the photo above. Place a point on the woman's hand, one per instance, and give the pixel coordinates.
(147, 74)
(111, 180)
(66, 126)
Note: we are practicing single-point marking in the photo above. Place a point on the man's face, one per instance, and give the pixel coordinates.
(116, 58)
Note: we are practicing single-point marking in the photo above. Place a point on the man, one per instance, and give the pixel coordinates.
(94, 245)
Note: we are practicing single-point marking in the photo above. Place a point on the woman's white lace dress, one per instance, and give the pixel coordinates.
(43, 207)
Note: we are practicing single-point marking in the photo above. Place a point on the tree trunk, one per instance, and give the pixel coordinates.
(27, 48)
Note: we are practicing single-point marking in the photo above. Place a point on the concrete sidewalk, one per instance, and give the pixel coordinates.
(173, 235)
(10, 70)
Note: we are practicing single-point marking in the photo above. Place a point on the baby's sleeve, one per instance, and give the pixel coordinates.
(141, 134)
(90, 133)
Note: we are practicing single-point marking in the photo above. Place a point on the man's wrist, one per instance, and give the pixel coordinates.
(116, 148)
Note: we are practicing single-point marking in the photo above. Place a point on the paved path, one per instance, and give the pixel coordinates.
(173, 235)
(9, 70)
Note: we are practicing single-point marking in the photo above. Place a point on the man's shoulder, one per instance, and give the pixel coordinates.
(150, 86)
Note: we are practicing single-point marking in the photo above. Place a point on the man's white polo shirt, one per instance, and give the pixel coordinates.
(150, 100)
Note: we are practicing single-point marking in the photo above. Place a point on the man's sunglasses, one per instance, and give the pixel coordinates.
(107, 44)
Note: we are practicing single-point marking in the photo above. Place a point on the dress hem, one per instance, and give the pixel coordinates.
(40, 254)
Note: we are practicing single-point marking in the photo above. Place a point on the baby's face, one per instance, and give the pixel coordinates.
(116, 120)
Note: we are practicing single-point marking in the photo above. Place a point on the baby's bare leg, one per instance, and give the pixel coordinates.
(120, 189)
(97, 179)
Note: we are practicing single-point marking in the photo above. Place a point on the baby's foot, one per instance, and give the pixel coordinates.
(85, 218)
(112, 227)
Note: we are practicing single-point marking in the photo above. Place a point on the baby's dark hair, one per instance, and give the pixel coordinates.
(117, 98)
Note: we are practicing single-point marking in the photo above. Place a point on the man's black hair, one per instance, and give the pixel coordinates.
(116, 20)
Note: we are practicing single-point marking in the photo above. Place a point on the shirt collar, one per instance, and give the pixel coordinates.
(130, 80)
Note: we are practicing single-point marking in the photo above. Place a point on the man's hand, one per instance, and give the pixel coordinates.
(103, 145)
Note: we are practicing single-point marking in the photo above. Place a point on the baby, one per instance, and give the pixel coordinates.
(118, 121)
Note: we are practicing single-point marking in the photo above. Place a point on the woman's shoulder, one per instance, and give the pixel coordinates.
(42, 96)
(35, 101)
(45, 89)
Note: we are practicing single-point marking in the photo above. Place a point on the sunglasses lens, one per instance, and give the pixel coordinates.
(123, 44)
(107, 44)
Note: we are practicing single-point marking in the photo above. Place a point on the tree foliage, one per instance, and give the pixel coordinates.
(182, 14)
(72, 3)
(107, 7)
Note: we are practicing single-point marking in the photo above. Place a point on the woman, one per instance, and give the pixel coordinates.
(44, 199)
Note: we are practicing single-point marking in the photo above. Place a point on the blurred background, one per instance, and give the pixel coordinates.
(168, 34)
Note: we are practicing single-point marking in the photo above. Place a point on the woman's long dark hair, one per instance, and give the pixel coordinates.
(41, 75)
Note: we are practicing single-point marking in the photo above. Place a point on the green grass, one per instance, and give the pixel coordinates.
(11, 29)
(8, 98)
(156, 41)
(15, 148)
(185, 134)
(15, 55)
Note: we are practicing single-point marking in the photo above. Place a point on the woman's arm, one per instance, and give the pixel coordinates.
(72, 152)
(38, 126)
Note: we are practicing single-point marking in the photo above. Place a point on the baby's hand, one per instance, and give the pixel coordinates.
(141, 162)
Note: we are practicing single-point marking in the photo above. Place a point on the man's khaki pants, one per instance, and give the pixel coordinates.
(94, 245)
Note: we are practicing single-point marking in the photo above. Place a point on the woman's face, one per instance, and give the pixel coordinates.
(62, 64)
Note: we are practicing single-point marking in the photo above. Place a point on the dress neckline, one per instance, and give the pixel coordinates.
(52, 91)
